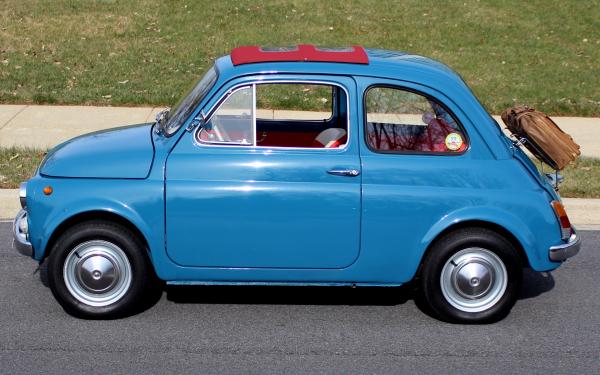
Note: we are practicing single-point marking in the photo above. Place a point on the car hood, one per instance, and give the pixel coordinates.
(125, 152)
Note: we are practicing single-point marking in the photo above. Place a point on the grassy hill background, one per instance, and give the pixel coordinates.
(542, 53)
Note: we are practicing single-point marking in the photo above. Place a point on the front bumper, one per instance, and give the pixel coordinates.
(20, 237)
(564, 251)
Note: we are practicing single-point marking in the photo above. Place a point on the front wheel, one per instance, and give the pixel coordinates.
(471, 275)
(100, 270)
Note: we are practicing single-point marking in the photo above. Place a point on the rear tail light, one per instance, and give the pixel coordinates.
(563, 219)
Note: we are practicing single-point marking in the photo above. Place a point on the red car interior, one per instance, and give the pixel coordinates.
(294, 133)
(283, 133)
(430, 138)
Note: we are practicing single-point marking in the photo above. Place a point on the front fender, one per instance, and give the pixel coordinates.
(74, 197)
(114, 207)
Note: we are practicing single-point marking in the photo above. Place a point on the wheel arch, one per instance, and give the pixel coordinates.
(89, 216)
(475, 223)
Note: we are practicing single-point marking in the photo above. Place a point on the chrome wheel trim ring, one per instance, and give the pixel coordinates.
(473, 280)
(97, 273)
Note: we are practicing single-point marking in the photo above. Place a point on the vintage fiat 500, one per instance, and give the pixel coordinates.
(299, 166)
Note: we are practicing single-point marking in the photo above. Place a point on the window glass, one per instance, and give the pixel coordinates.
(187, 103)
(232, 122)
(279, 49)
(298, 115)
(301, 115)
(285, 101)
(403, 121)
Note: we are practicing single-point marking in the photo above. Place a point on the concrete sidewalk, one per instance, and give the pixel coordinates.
(44, 126)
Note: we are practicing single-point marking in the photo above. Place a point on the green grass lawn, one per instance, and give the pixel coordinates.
(18, 165)
(582, 179)
(542, 53)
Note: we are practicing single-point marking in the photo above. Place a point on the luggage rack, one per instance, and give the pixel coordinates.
(554, 178)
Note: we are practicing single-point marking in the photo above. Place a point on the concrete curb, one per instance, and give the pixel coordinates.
(584, 213)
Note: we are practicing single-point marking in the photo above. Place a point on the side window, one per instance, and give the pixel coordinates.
(232, 122)
(292, 101)
(402, 121)
(301, 115)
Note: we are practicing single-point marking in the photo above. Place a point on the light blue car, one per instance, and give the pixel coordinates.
(299, 166)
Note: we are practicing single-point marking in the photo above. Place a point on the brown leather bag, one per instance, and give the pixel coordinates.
(544, 139)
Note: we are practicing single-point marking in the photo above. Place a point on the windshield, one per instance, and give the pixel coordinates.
(189, 102)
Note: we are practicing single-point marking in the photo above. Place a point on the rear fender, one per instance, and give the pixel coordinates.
(496, 216)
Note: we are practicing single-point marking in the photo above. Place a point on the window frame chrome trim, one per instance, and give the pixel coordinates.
(254, 82)
(254, 115)
(218, 75)
(407, 152)
(218, 105)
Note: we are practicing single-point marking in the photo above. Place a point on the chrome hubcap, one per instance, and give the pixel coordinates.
(473, 280)
(97, 273)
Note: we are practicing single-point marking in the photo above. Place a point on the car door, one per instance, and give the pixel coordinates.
(235, 204)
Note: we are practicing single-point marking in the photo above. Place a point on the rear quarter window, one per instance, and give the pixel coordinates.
(403, 121)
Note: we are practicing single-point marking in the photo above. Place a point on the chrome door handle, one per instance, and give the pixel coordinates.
(344, 172)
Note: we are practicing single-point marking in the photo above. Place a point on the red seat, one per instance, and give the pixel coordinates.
(330, 138)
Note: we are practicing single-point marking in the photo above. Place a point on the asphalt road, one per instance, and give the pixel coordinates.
(554, 327)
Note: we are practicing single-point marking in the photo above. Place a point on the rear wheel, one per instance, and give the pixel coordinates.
(100, 270)
(471, 275)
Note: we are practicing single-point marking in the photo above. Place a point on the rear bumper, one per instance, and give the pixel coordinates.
(20, 237)
(564, 251)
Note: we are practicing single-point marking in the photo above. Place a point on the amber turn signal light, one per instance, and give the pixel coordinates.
(565, 223)
(47, 190)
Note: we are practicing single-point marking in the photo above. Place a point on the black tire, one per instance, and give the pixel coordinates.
(43, 268)
(141, 286)
(464, 243)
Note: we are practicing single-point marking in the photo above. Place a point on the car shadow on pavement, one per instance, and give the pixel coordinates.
(535, 283)
(290, 295)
